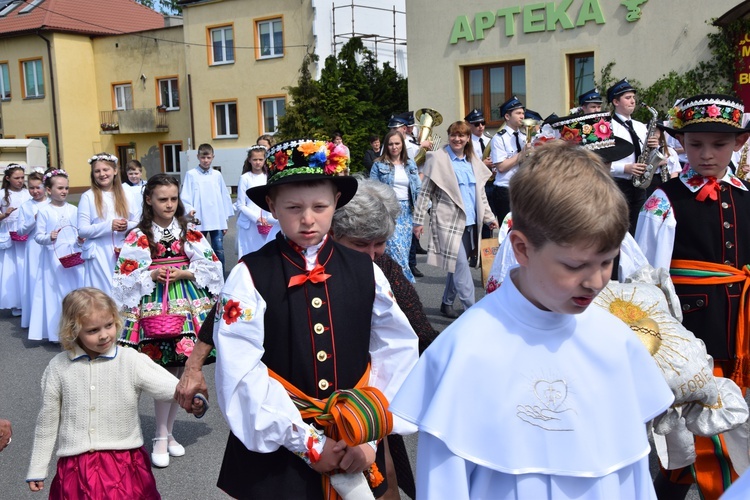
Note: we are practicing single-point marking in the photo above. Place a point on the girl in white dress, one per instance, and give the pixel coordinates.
(12, 252)
(250, 218)
(27, 227)
(105, 216)
(57, 236)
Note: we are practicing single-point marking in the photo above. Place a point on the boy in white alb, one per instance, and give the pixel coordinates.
(559, 392)
(205, 191)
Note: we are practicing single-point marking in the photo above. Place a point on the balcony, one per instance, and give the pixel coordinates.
(133, 121)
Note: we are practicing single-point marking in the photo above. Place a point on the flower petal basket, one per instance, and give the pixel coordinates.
(164, 325)
(70, 260)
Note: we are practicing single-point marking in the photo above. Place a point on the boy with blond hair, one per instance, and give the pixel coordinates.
(560, 392)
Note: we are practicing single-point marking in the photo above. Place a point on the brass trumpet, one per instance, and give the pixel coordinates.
(427, 119)
(530, 125)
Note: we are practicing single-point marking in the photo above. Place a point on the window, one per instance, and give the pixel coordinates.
(222, 45)
(6, 6)
(225, 119)
(486, 87)
(272, 109)
(4, 81)
(270, 38)
(170, 156)
(30, 6)
(33, 78)
(580, 75)
(169, 95)
(123, 96)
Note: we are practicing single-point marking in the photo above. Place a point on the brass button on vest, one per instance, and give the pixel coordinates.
(323, 384)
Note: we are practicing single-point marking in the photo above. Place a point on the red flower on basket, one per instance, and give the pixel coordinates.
(131, 237)
(152, 351)
(128, 266)
(193, 236)
(232, 311)
(185, 346)
(142, 241)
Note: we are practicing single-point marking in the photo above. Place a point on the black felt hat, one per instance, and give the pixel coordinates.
(593, 131)
(714, 113)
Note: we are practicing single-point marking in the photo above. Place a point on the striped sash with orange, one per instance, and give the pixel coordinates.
(696, 272)
(357, 416)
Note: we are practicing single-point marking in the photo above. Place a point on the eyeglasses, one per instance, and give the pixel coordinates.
(477, 124)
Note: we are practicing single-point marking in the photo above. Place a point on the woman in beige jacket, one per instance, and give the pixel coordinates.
(454, 183)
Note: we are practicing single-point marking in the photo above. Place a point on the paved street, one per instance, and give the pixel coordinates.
(190, 477)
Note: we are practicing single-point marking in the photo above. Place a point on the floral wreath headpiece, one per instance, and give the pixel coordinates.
(11, 166)
(714, 113)
(54, 173)
(257, 147)
(104, 157)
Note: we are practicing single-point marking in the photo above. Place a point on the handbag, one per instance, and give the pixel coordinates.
(163, 325)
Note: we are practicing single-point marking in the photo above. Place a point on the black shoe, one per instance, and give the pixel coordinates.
(416, 272)
(420, 250)
(448, 311)
(473, 261)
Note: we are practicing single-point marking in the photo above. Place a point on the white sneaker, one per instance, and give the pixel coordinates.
(15, 312)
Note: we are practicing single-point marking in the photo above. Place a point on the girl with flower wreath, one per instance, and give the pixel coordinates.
(105, 215)
(56, 236)
(163, 247)
(251, 219)
(12, 195)
(27, 227)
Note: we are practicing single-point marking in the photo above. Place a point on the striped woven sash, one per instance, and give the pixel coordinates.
(697, 272)
(357, 416)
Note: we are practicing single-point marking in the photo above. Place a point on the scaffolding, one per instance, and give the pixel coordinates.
(375, 39)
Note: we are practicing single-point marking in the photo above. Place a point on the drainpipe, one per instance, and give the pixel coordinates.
(54, 100)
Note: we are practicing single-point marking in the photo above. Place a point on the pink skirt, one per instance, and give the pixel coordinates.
(111, 474)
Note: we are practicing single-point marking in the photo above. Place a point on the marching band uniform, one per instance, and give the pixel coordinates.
(637, 137)
(505, 144)
(480, 143)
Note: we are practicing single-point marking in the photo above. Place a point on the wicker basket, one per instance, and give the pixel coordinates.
(70, 260)
(115, 247)
(164, 325)
(17, 237)
(264, 229)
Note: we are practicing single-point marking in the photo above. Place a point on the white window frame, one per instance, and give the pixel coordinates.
(38, 71)
(172, 150)
(172, 93)
(9, 7)
(272, 46)
(275, 105)
(119, 91)
(227, 121)
(225, 58)
(5, 74)
(30, 6)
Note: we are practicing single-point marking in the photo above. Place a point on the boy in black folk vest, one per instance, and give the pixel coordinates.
(301, 322)
(696, 225)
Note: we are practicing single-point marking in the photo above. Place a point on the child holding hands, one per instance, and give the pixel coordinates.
(90, 398)
(56, 235)
(105, 215)
(163, 248)
(531, 393)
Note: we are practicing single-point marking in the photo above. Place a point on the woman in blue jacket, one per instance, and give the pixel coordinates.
(398, 171)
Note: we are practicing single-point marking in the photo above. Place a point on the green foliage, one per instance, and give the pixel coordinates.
(354, 96)
(715, 75)
(163, 6)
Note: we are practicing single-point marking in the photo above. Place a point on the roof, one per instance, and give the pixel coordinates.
(739, 11)
(90, 17)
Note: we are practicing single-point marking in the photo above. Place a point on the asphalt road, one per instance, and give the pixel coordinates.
(193, 476)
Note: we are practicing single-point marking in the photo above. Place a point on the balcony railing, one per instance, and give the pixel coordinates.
(133, 121)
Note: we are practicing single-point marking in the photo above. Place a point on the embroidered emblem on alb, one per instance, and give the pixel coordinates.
(553, 414)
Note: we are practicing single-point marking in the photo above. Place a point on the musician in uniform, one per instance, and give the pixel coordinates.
(480, 139)
(622, 97)
(506, 148)
(590, 102)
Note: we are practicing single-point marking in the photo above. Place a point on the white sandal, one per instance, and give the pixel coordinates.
(160, 459)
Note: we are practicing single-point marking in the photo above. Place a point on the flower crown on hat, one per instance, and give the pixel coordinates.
(103, 157)
(306, 157)
(592, 131)
(706, 110)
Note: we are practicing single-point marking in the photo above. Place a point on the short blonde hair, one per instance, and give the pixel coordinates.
(564, 194)
(78, 305)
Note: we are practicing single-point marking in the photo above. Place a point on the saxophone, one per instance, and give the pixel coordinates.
(651, 157)
(743, 161)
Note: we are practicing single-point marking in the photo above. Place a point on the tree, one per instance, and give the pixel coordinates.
(163, 6)
(354, 96)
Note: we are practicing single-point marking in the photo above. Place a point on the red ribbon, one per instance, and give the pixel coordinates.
(317, 275)
(709, 190)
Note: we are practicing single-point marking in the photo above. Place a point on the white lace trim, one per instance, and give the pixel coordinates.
(208, 275)
(127, 289)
